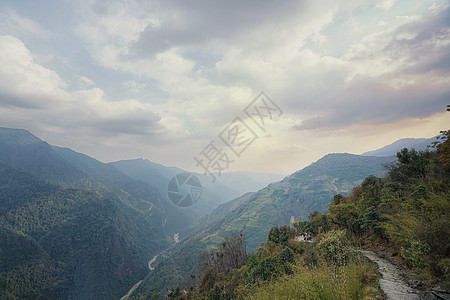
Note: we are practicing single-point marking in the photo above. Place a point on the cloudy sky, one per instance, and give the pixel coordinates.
(162, 79)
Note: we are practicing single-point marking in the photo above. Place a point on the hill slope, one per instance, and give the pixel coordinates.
(293, 198)
(228, 186)
(392, 149)
(84, 230)
(71, 243)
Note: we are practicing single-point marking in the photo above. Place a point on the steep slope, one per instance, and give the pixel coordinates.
(21, 149)
(293, 198)
(296, 196)
(73, 243)
(90, 228)
(227, 187)
(108, 180)
(392, 149)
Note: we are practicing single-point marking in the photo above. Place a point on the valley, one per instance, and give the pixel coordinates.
(114, 220)
(222, 150)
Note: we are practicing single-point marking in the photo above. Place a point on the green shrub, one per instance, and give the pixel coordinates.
(335, 248)
(415, 254)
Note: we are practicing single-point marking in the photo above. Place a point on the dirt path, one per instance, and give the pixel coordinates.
(152, 261)
(127, 295)
(391, 283)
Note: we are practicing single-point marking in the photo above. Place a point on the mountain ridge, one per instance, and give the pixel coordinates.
(253, 214)
(393, 148)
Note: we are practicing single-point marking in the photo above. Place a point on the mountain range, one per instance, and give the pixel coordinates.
(392, 149)
(72, 227)
(253, 214)
(85, 230)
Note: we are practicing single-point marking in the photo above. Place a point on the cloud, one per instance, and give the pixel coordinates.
(32, 93)
(13, 23)
(375, 104)
(23, 83)
(392, 75)
(167, 76)
(385, 4)
(279, 49)
(429, 45)
(196, 23)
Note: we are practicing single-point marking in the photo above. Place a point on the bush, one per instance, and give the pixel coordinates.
(335, 248)
(415, 254)
(358, 280)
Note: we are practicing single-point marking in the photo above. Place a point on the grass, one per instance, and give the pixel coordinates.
(357, 280)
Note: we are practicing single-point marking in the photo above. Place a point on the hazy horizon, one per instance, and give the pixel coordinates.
(160, 81)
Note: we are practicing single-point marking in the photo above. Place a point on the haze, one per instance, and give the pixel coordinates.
(161, 80)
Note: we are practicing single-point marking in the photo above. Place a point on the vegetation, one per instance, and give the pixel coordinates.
(256, 213)
(280, 269)
(77, 229)
(91, 233)
(58, 242)
(407, 211)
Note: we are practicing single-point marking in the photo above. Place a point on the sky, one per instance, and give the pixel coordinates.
(179, 82)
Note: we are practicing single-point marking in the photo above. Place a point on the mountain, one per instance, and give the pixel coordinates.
(72, 227)
(296, 196)
(21, 149)
(392, 149)
(61, 242)
(253, 214)
(228, 186)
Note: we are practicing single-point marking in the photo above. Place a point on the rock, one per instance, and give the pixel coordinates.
(429, 296)
(440, 290)
(440, 295)
(435, 295)
(415, 283)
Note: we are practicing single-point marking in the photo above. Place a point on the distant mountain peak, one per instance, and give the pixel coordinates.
(410, 143)
(12, 136)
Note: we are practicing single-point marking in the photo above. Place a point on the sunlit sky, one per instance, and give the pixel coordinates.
(162, 79)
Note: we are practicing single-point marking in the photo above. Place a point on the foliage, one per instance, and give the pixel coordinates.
(318, 223)
(415, 254)
(371, 219)
(357, 280)
(408, 208)
(281, 235)
(216, 264)
(335, 248)
(346, 215)
(61, 242)
(322, 270)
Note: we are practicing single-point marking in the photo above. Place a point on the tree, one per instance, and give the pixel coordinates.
(371, 220)
(337, 199)
(281, 235)
(231, 254)
(443, 148)
(370, 192)
(346, 215)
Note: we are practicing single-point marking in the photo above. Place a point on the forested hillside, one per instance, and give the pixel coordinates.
(88, 229)
(405, 215)
(254, 214)
(229, 186)
(84, 230)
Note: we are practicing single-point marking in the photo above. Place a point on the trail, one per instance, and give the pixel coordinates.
(127, 295)
(391, 283)
(152, 261)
